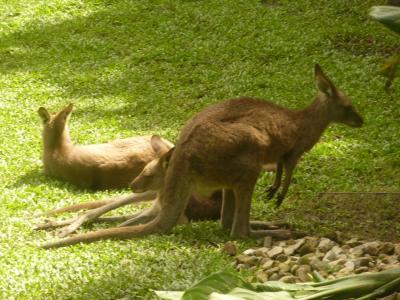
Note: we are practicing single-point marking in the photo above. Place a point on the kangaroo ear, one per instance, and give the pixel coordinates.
(324, 84)
(158, 145)
(44, 114)
(166, 158)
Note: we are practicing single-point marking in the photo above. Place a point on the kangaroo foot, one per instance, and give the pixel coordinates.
(54, 224)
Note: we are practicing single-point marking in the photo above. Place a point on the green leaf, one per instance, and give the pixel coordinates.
(222, 282)
(169, 295)
(388, 16)
(243, 294)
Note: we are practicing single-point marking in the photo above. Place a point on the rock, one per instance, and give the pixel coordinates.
(271, 271)
(362, 262)
(325, 245)
(397, 249)
(240, 266)
(299, 243)
(288, 279)
(247, 260)
(387, 248)
(309, 246)
(319, 265)
(229, 248)
(361, 270)
(275, 251)
(338, 263)
(357, 251)
(372, 248)
(330, 256)
(268, 242)
(303, 272)
(354, 242)
(274, 277)
(349, 265)
(305, 259)
(261, 252)
(390, 260)
(284, 267)
(267, 265)
(261, 276)
(289, 250)
(249, 252)
(282, 257)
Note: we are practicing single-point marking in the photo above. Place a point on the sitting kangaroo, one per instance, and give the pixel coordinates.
(225, 147)
(98, 166)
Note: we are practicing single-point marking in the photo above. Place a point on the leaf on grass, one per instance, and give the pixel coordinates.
(220, 282)
(169, 295)
(388, 16)
(243, 294)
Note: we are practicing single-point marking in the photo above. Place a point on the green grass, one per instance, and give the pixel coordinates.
(142, 67)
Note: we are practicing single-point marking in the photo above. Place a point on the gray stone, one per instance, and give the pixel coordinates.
(267, 265)
(261, 276)
(354, 242)
(289, 250)
(284, 267)
(362, 262)
(372, 248)
(275, 251)
(249, 252)
(325, 245)
(274, 277)
(309, 246)
(261, 252)
(305, 259)
(387, 248)
(391, 260)
(319, 265)
(282, 257)
(397, 249)
(288, 279)
(361, 270)
(303, 272)
(247, 260)
(271, 271)
(357, 251)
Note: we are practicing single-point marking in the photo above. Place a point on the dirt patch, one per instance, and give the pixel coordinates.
(345, 215)
(359, 45)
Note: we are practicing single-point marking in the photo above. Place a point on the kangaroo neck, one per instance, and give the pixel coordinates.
(313, 120)
(59, 142)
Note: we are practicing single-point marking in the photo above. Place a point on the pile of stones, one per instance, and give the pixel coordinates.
(294, 261)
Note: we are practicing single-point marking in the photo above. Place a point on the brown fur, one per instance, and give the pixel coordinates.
(226, 145)
(98, 166)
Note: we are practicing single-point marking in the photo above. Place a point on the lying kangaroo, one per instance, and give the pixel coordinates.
(98, 166)
(226, 145)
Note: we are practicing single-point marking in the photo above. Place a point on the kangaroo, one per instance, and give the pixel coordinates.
(225, 146)
(99, 166)
(148, 184)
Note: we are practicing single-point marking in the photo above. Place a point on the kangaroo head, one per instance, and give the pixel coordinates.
(54, 124)
(152, 176)
(340, 107)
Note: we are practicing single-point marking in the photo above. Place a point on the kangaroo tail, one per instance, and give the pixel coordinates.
(116, 233)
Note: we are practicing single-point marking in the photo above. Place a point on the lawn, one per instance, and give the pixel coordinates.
(144, 67)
